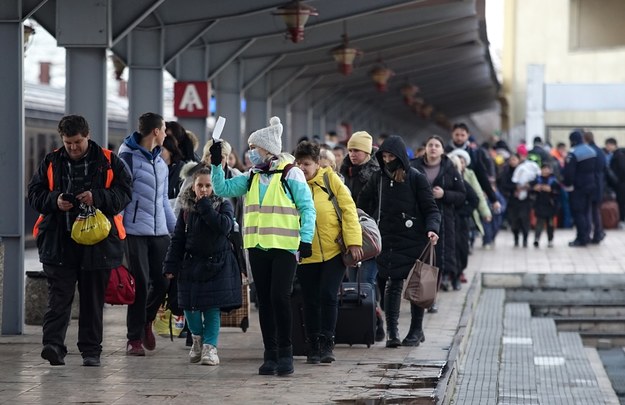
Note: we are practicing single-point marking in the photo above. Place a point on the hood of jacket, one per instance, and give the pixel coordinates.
(190, 168)
(132, 142)
(394, 144)
(187, 200)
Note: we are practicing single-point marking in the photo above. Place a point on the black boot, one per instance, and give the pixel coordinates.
(392, 302)
(313, 350)
(285, 361)
(415, 334)
(270, 363)
(326, 344)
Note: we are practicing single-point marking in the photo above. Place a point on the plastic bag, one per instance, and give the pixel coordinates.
(166, 324)
(90, 227)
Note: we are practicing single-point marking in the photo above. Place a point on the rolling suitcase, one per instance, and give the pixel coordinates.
(239, 318)
(298, 328)
(609, 214)
(356, 318)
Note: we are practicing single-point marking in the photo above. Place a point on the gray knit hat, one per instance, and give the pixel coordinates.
(269, 138)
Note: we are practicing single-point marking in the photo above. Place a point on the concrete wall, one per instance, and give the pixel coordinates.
(538, 32)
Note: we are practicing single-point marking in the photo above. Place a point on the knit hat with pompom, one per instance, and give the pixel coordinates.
(269, 138)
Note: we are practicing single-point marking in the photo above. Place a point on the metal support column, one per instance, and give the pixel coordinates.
(281, 109)
(299, 121)
(192, 66)
(310, 123)
(12, 167)
(228, 94)
(145, 75)
(535, 107)
(84, 29)
(257, 108)
(85, 90)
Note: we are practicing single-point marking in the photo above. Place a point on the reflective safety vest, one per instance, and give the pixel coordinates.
(117, 219)
(275, 223)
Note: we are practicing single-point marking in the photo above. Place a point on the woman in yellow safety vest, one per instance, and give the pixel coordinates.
(279, 223)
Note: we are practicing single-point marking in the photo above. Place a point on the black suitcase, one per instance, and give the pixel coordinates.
(356, 319)
(298, 329)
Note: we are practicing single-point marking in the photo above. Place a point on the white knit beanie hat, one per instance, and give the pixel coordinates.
(462, 154)
(269, 138)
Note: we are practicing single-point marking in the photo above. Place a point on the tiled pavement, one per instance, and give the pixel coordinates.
(360, 375)
(533, 363)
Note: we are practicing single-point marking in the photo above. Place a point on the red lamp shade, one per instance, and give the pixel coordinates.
(380, 76)
(295, 16)
(409, 91)
(426, 112)
(345, 56)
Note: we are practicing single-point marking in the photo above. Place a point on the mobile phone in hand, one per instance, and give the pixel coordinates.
(70, 198)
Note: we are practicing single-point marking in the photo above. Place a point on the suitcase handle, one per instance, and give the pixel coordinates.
(351, 290)
(361, 295)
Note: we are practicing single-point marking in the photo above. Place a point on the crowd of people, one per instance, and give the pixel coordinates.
(184, 216)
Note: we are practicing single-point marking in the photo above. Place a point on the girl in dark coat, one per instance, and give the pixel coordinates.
(518, 211)
(400, 198)
(546, 192)
(449, 193)
(200, 257)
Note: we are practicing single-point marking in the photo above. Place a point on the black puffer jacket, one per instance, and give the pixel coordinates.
(200, 255)
(452, 184)
(56, 247)
(407, 214)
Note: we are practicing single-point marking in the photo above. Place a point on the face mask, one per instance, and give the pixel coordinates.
(393, 165)
(255, 157)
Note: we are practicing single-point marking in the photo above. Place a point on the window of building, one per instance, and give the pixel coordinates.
(596, 24)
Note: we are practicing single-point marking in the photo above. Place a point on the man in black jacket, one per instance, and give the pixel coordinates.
(78, 175)
(595, 202)
(580, 181)
(480, 161)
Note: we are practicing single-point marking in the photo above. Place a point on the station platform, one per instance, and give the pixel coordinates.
(480, 348)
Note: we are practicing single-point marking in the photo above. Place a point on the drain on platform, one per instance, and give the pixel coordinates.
(397, 383)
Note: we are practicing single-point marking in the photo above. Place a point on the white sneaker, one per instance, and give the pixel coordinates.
(195, 354)
(209, 355)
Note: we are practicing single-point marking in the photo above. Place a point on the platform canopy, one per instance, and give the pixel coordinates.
(439, 46)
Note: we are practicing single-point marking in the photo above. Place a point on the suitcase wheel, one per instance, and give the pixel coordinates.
(368, 345)
(245, 323)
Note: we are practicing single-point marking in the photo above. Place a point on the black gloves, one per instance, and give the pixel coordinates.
(305, 250)
(215, 151)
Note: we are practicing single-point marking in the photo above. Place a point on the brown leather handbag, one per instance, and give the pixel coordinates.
(421, 284)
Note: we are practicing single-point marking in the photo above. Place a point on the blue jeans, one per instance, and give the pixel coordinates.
(205, 324)
(491, 229)
(368, 272)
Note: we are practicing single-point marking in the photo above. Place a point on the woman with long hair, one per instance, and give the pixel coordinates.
(449, 193)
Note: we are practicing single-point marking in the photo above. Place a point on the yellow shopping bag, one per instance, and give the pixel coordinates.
(167, 324)
(90, 227)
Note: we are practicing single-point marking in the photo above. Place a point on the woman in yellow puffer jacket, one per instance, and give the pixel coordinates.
(320, 275)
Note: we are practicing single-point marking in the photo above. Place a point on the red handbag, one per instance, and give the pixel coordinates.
(121, 287)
